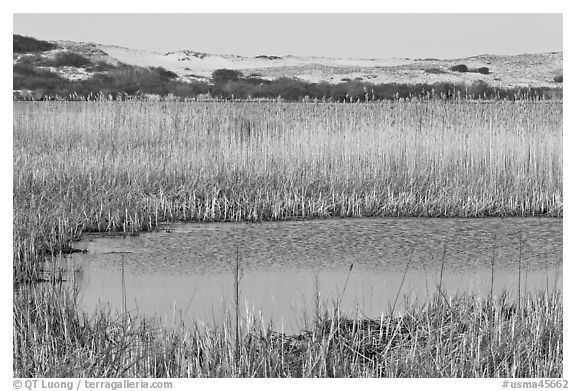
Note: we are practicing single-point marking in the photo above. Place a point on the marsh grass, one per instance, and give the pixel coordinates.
(463, 336)
(124, 167)
(128, 166)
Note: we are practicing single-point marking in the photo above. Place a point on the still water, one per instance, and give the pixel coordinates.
(184, 274)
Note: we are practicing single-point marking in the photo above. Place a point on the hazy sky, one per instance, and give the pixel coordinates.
(331, 35)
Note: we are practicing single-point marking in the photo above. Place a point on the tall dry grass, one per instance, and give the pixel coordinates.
(127, 166)
(459, 336)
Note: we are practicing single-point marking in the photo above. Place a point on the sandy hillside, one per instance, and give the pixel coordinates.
(528, 70)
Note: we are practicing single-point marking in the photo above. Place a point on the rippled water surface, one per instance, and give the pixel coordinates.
(185, 274)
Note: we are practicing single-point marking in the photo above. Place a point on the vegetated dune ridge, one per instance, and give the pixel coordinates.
(526, 70)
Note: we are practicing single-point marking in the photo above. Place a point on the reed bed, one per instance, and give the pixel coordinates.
(128, 166)
(124, 167)
(459, 336)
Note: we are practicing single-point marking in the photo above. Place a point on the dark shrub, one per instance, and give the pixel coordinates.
(435, 71)
(22, 44)
(220, 76)
(355, 90)
(483, 70)
(69, 59)
(30, 78)
(164, 73)
(559, 79)
(338, 92)
(23, 70)
(459, 68)
(131, 79)
(320, 90)
(480, 89)
(32, 59)
(238, 89)
(289, 89)
(190, 90)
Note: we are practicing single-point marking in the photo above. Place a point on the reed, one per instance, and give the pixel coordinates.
(125, 167)
(466, 336)
(129, 166)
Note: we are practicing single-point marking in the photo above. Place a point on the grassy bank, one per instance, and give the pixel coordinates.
(126, 166)
(461, 336)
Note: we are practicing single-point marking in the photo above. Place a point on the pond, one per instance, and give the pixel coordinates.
(370, 265)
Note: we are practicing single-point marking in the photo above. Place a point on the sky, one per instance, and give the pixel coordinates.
(327, 35)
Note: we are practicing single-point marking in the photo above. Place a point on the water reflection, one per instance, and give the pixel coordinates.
(185, 275)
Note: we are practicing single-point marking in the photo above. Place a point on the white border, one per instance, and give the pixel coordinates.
(302, 6)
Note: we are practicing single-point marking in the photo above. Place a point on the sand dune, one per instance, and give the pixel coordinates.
(527, 70)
